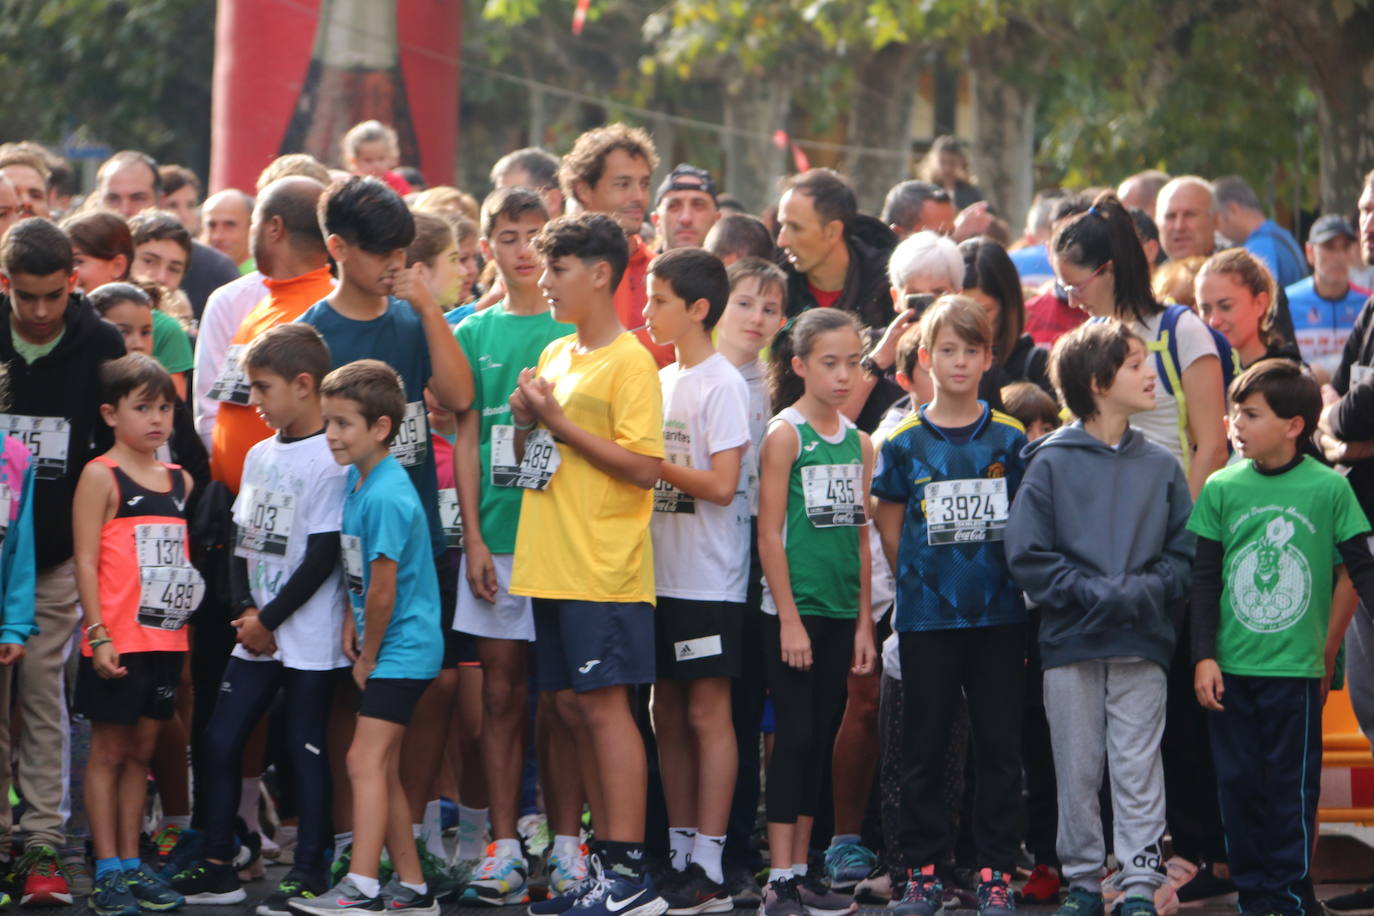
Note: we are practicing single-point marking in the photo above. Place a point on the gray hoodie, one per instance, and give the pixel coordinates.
(1098, 538)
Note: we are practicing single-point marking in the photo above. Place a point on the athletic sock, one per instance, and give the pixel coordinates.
(177, 820)
(104, 866)
(472, 824)
(799, 870)
(433, 828)
(421, 888)
(129, 864)
(343, 842)
(706, 852)
(248, 804)
(680, 843)
(370, 887)
(507, 849)
(564, 845)
(779, 874)
(625, 859)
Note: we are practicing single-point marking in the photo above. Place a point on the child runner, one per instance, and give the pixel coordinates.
(814, 471)
(1105, 605)
(137, 588)
(395, 642)
(701, 560)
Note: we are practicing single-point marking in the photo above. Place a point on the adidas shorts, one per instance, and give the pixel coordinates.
(586, 645)
(698, 638)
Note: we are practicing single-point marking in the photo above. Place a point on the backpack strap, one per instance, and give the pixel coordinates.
(1165, 349)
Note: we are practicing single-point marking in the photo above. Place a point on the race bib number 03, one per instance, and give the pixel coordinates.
(834, 494)
(536, 469)
(412, 440)
(966, 511)
(266, 523)
(170, 587)
(46, 437)
(353, 563)
(231, 385)
(450, 517)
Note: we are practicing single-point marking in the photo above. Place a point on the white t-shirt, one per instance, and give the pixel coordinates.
(224, 312)
(290, 491)
(755, 378)
(701, 550)
(1160, 425)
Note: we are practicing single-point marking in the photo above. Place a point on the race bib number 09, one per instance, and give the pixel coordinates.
(966, 511)
(170, 587)
(46, 437)
(834, 494)
(412, 439)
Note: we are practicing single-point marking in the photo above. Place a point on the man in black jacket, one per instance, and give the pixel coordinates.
(52, 351)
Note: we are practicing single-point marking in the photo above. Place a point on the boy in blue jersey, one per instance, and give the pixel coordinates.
(1106, 633)
(942, 488)
(394, 643)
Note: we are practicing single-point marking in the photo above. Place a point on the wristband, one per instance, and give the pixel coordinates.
(95, 626)
(523, 427)
(97, 643)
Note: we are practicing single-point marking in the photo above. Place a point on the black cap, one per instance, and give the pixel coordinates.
(686, 178)
(1328, 227)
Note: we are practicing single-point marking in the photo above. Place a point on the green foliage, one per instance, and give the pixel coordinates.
(133, 73)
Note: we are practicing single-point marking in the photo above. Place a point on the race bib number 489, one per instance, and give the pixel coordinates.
(170, 587)
(966, 511)
(534, 470)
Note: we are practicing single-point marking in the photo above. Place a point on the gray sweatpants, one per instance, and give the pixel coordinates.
(1099, 708)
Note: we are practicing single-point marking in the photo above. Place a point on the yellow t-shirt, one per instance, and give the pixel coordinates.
(586, 536)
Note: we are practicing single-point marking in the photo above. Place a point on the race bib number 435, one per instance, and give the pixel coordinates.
(966, 511)
(834, 494)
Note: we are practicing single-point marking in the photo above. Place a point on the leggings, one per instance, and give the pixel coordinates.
(807, 707)
(246, 694)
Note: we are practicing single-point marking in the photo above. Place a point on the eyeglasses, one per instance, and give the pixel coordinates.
(1078, 287)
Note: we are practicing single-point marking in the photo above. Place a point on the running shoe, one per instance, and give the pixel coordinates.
(78, 868)
(1136, 905)
(565, 901)
(534, 833)
(189, 849)
(694, 892)
(1355, 903)
(342, 897)
(341, 865)
(875, 890)
(994, 894)
(111, 896)
(442, 882)
(819, 900)
(924, 894)
(621, 895)
(1042, 886)
(1166, 895)
(209, 883)
(566, 872)
(1081, 902)
(780, 898)
(248, 859)
(151, 892)
(498, 881)
(165, 840)
(403, 901)
(743, 886)
(45, 880)
(297, 883)
(846, 864)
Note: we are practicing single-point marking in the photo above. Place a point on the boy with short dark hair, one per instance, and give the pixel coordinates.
(289, 596)
(162, 248)
(943, 486)
(1106, 633)
(137, 588)
(701, 562)
(394, 642)
(1268, 531)
(589, 444)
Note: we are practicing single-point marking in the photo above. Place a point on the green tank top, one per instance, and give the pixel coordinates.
(825, 519)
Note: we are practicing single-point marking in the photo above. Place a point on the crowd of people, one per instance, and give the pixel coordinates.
(999, 569)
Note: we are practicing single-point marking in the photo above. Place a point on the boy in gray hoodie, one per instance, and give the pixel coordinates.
(1097, 536)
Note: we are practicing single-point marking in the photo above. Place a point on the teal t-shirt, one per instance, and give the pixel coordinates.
(498, 345)
(383, 518)
(171, 346)
(1279, 535)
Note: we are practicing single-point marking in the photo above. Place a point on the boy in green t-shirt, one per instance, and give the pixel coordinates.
(1270, 530)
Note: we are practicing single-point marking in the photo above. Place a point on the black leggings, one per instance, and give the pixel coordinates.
(246, 694)
(806, 709)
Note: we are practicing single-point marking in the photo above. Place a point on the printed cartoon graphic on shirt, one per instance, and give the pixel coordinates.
(1270, 579)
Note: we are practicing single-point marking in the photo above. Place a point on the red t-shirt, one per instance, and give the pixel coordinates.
(825, 298)
(1048, 318)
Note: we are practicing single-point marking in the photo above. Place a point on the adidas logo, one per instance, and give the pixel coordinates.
(684, 651)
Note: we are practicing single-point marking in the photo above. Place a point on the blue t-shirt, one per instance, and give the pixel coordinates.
(1033, 264)
(1322, 325)
(951, 565)
(384, 518)
(455, 316)
(1280, 252)
(397, 338)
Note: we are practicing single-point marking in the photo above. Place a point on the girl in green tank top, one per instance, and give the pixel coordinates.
(815, 469)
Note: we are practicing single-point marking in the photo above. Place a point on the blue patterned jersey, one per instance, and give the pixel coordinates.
(951, 567)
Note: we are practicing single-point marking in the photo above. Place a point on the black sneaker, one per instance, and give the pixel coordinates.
(1205, 884)
(693, 891)
(1355, 903)
(743, 886)
(994, 894)
(923, 895)
(298, 883)
(209, 883)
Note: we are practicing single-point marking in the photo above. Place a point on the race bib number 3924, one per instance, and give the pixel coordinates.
(966, 511)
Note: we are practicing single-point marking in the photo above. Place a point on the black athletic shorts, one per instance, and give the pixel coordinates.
(698, 638)
(392, 699)
(148, 691)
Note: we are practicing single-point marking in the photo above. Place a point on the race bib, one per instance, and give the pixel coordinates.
(353, 563)
(668, 498)
(231, 385)
(46, 437)
(535, 471)
(450, 517)
(966, 511)
(6, 506)
(265, 523)
(412, 440)
(170, 587)
(834, 494)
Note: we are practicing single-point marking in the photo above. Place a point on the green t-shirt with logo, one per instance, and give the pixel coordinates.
(498, 345)
(1279, 535)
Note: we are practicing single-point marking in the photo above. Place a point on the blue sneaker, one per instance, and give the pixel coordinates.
(1082, 902)
(151, 892)
(189, 849)
(111, 896)
(994, 894)
(558, 904)
(924, 894)
(619, 895)
(846, 864)
(1136, 905)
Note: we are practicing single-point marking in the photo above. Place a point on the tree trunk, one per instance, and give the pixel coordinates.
(753, 163)
(880, 119)
(1004, 141)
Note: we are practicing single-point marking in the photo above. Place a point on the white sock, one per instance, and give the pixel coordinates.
(680, 842)
(472, 823)
(507, 849)
(799, 871)
(343, 842)
(421, 888)
(370, 887)
(706, 852)
(179, 820)
(433, 828)
(564, 845)
(248, 805)
(779, 874)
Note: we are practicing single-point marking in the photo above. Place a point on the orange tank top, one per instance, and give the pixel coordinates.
(148, 587)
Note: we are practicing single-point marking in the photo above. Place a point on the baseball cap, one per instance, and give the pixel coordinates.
(1328, 227)
(686, 177)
